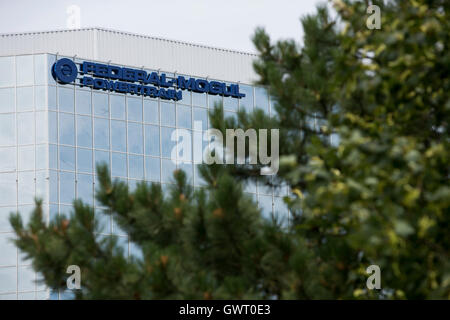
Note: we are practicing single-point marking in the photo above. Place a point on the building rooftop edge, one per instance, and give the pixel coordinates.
(128, 34)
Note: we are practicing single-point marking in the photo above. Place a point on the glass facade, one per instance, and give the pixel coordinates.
(52, 135)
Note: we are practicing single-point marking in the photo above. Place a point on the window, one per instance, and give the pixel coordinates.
(84, 131)
(83, 102)
(24, 98)
(25, 72)
(168, 167)
(118, 136)
(135, 138)
(167, 145)
(7, 100)
(8, 159)
(198, 99)
(100, 104)
(151, 112)
(184, 117)
(66, 158)
(66, 187)
(152, 169)
(25, 122)
(214, 100)
(85, 191)
(134, 109)
(8, 195)
(101, 133)
(136, 166)
(119, 164)
(201, 115)
(152, 140)
(262, 99)
(66, 129)
(7, 129)
(26, 187)
(84, 160)
(246, 103)
(7, 72)
(26, 158)
(102, 157)
(117, 107)
(167, 114)
(65, 99)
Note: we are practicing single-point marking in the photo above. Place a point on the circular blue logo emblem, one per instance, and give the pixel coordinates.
(65, 70)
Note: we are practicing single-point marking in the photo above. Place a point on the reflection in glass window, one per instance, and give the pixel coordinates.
(119, 164)
(7, 73)
(53, 186)
(152, 140)
(151, 112)
(118, 136)
(66, 187)
(51, 98)
(102, 157)
(83, 102)
(67, 158)
(198, 179)
(84, 131)
(65, 99)
(7, 100)
(53, 156)
(214, 100)
(262, 99)
(7, 129)
(42, 185)
(101, 133)
(52, 127)
(100, 104)
(66, 129)
(42, 156)
(26, 187)
(246, 103)
(7, 194)
(152, 169)
(5, 226)
(199, 99)
(186, 98)
(50, 62)
(24, 98)
(134, 109)
(42, 128)
(135, 138)
(117, 107)
(25, 122)
(40, 97)
(167, 145)
(85, 191)
(280, 210)
(187, 168)
(26, 158)
(40, 69)
(230, 103)
(184, 117)
(201, 114)
(26, 280)
(25, 72)
(167, 114)
(168, 167)
(8, 276)
(136, 166)
(8, 159)
(84, 160)
(265, 204)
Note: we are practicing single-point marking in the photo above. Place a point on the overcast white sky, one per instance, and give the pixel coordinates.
(226, 23)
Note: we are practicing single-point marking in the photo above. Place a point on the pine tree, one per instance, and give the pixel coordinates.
(364, 143)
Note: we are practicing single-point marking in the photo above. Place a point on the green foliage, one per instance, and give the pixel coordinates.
(364, 144)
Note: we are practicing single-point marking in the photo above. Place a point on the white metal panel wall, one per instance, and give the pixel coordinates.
(135, 50)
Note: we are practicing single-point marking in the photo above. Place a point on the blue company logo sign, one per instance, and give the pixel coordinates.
(136, 81)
